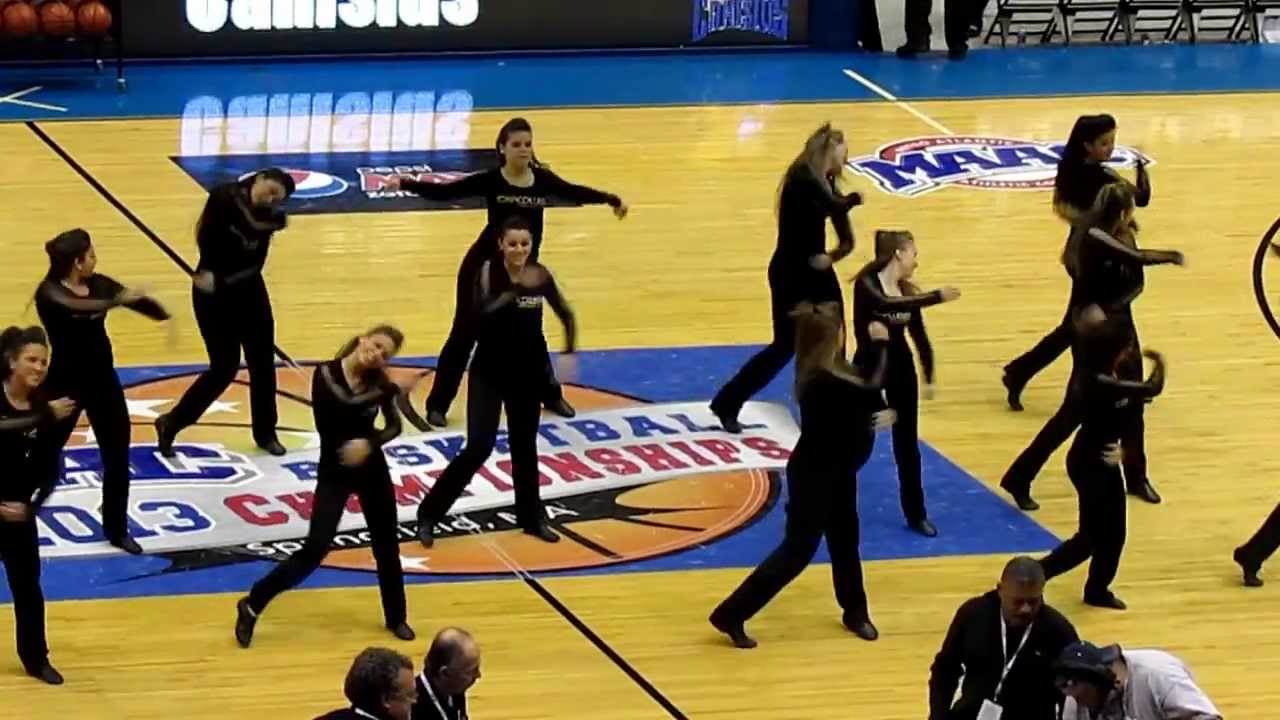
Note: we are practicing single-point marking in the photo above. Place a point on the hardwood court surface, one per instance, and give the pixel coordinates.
(687, 268)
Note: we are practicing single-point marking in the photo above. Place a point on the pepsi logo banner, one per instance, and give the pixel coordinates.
(208, 497)
(923, 164)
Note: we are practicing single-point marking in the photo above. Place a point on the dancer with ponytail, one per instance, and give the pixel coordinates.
(24, 418)
(232, 306)
(802, 268)
(73, 301)
(883, 292)
(347, 394)
(841, 409)
(519, 187)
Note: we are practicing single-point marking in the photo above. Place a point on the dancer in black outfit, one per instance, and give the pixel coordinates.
(24, 417)
(1109, 407)
(519, 187)
(72, 302)
(232, 306)
(883, 292)
(509, 370)
(1260, 547)
(840, 411)
(1102, 256)
(801, 269)
(346, 395)
(1081, 174)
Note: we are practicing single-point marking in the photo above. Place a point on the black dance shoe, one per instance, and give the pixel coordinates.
(426, 533)
(164, 436)
(1014, 392)
(727, 420)
(958, 52)
(1146, 491)
(735, 630)
(910, 50)
(125, 543)
(403, 631)
(1021, 498)
(273, 447)
(1250, 570)
(45, 673)
(861, 627)
(245, 620)
(562, 408)
(924, 527)
(1107, 600)
(435, 418)
(542, 532)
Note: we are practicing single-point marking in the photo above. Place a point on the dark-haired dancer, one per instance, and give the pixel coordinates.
(801, 269)
(1109, 407)
(883, 292)
(508, 371)
(840, 412)
(72, 302)
(1102, 256)
(1251, 555)
(346, 395)
(24, 417)
(1081, 174)
(519, 187)
(232, 306)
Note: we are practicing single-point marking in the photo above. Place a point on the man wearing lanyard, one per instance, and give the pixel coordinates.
(1003, 643)
(379, 686)
(452, 666)
(1112, 684)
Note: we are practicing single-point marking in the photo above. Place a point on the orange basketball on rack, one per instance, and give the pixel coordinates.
(57, 19)
(94, 18)
(19, 20)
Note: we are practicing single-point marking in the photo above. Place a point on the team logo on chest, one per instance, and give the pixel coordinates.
(920, 165)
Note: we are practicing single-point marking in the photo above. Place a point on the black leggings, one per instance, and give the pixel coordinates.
(227, 324)
(485, 401)
(100, 395)
(764, 366)
(902, 392)
(455, 354)
(20, 550)
(372, 484)
(1021, 369)
(823, 501)
(1263, 544)
(1101, 534)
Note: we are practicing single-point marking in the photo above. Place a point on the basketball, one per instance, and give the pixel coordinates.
(94, 18)
(57, 19)
(19, 20)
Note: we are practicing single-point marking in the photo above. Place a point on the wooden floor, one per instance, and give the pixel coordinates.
(687, 268)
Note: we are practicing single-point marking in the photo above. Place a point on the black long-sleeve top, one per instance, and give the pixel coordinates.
(1108, 272)
(1079, 194)
(510, 344)
(805, 204)
(22, 476)
(900, 313)
(77, 325)
(972, 650)
(234, 237)
(1110, 405)
(342, 415)
(504, 200)
(830, 406)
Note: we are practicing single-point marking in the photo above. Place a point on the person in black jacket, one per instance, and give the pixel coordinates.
(451, 667)
(801, 269)
(27, 483)
(1003, 644)
(379, 685)
(347, 394)
(232, 306)
(520, 187)
(840, 412)
(72, 302)
(1260, 547)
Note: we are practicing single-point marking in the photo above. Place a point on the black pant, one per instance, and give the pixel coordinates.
(372, 484)
(823, 501)
(902, 392)
(869, 26)
(1263, 544)
(20, 550)
(485, 401)
(455, 354)
(1021, 369)
(785, 293)
(229, 321)
(956, 22)
(1101, 533)
(100, 395)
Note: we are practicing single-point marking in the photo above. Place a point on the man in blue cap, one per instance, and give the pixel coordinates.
(1112, 684)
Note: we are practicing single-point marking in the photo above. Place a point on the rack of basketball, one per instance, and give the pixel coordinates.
(60, 29)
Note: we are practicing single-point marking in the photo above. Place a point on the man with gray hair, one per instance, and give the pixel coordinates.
(452, 666)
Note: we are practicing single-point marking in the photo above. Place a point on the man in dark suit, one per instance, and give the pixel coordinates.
(452, 666)
(1004, 644)
(379, 686)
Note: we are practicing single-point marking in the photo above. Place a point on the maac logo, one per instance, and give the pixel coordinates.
(924, 164)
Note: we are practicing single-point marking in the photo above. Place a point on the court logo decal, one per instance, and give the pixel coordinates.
(921, 165)
(747, 17)
(622, 482)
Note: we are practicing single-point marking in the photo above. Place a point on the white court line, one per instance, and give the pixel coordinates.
(905, 106)
(13, 98)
